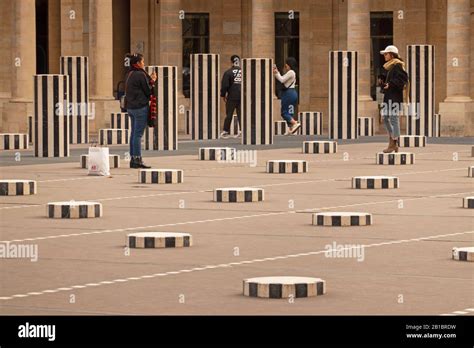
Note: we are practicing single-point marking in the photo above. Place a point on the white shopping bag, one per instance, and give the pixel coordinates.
(99, 161)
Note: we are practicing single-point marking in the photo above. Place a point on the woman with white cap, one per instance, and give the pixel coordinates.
(395, 82)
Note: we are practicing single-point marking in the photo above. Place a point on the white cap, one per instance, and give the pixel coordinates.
(390, 49)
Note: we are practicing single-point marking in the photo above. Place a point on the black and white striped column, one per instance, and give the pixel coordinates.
(365, 126)
(31, 129)
(311, 123)
(120, 120)
(166, 93)
(280, 127)
(436, 125)
(13, 141)
(77, 68)
(343, 94)
(257, 101)
(187, 122)
(205, 96)
(51, 100)
(421, 71)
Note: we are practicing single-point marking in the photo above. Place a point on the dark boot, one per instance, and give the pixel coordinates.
(390, 145)
(141, 164)
(395, 145)
(133, 162)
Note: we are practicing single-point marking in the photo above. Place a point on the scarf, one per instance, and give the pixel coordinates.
(391, 63)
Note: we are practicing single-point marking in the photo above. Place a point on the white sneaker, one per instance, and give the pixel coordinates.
(238, 134)
(224, 135)
(294, 128)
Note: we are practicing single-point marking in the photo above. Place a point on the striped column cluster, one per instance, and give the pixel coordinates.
(74, 210)
(375, 182)
(31, 129)
(17, 187)
(160, 176)
(205, 96)
(284, 287)
(343, 94)
(166, 93)
(77, 68)
(120, 120)
(311, 123)
(257, 101)
(13, 141)
(51, 100)
(421, 71)
(238, 195)
(157, 240)
(109, 136)
(342, 219)
(319, 146)
(287, 166)
(365, 126)
(397, 158)
(280, 127)
(114, 161)
(412, 141)
(436, 126)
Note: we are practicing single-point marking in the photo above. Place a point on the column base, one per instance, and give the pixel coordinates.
(457, 118)
(100, 114)
(15, 116)
(370, 108)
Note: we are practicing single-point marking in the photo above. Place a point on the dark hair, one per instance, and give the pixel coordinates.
(395, 55)
(293, 64)
(234, 58)
(134, 57)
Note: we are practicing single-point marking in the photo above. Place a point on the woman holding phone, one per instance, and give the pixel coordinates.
(289, 96)
(138, 87)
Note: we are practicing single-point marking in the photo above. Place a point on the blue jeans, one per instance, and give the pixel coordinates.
(289, 98)
(392, 124)
(138, 118)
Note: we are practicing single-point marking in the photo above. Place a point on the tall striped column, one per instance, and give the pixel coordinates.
(205, 96)
(343, 94)
(51, 100)
(166, 93)
(421, 71)
(77, 68)
(257, 101)
(311, 122)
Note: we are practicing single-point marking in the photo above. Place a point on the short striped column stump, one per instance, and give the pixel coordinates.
(287, 166)
(375, 182)
(365, 126)
(463, 254)
(120, 120)
(160, 176)
(114, 161)
(470, 171)
(468, 202)
(412, 141)
(397, 158)
(156, 240)
(74, 210)
(280, 127)
(17, 187)
(216, 153)
(319, 146)
(238, 194)
(284, 287)
(13, 141)
(109, 136)
(342, 219)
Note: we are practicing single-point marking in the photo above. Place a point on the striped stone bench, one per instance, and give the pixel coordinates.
(238, 195)
(17, 187)
(395, 158)
(114, 161)
(13, 141)
(160, 176)
(157, 240)
(109, 136)
(74, 210)
(287, 166)
(319, 146)
(284, 287)
(342, 219)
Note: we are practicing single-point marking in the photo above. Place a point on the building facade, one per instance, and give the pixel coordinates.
(36, 33)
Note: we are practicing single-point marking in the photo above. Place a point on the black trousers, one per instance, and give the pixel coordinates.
(230, 106)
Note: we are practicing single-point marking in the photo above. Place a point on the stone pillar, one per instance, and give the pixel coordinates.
(23, 65)
(457, 109)
(100, 56)
(262, 30)
(72, 28)
(358, 39)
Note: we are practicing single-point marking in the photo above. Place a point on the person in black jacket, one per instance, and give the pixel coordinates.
(138, 85)
(230, 91)
(395, 82)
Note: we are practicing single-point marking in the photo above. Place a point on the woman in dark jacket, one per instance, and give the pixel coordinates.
(138, 86)
(393, 87)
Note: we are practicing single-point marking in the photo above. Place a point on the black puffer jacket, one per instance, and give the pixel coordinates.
(138, 89)
(397, 78)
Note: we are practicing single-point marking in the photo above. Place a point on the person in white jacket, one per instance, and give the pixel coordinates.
(289, 96)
